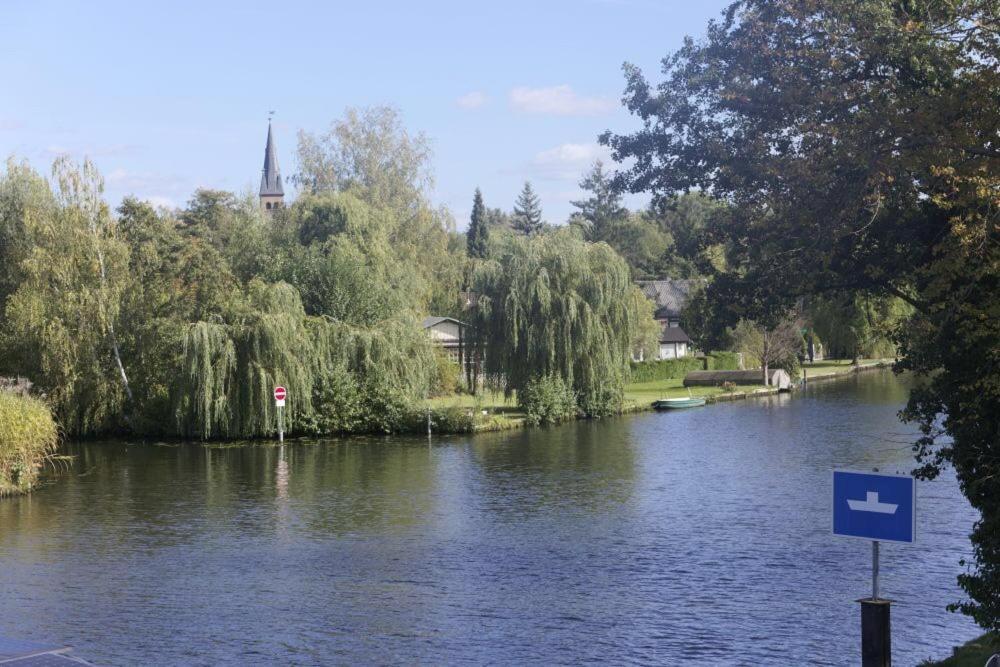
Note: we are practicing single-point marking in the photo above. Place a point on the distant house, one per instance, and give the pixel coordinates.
(669, 298)
(448, 334)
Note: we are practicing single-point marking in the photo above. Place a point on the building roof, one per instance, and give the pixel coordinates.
(270, 179)
(670, 295)
(434, 321)
(674, 335)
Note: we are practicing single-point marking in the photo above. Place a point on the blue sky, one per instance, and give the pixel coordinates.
(171, 96)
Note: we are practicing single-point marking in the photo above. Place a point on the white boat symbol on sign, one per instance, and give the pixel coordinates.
(871, 504)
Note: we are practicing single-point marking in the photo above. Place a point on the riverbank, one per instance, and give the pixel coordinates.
(971, 654)
(501, 415)
(28, 436)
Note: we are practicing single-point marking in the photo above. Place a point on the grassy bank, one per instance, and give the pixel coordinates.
(501, 414)
(28, 435)
(972, 654)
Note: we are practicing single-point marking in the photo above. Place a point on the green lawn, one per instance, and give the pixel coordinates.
(972, 654)
(647, 392)
(639, 393)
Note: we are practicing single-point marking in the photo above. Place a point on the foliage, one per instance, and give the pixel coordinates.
(665, 369)
(547, 399)
(858, 326)
(453, 419)
(368, 152)
(602, 210)
(728, 387)
(527, 218)
(477, 238)
(554, 305)
(59, 325)
(722, 361)
(447, 375)
(28, 436)
(766, 347)
(856, 146)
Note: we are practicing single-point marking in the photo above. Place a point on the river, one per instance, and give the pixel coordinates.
(691, 537)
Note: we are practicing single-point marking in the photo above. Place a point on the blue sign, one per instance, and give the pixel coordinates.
(874, 506)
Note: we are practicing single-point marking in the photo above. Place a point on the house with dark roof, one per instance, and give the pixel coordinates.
(669, 297)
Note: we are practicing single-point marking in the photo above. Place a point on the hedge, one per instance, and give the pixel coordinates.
(672, 369)
(665, 369)
(722, 361)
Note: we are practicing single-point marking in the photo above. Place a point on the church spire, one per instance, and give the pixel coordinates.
(272, 194)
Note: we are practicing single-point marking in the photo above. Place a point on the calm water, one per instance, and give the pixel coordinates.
(693, 537)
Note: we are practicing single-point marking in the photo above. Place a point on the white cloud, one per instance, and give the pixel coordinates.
(473, 100)
(569, 161)
(558, 101)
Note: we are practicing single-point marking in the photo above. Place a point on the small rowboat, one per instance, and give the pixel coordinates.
(676, 403)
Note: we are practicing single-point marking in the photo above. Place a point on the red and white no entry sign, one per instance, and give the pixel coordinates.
(279, 393)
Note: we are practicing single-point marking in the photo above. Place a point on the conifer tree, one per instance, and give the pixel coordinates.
(527, 211)
(478, 234)
(602, 209)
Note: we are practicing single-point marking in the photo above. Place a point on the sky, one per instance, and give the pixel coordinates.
(168, 97)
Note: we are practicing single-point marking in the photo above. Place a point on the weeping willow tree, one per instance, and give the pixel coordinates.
(340, 378)
(858, 325)
(555, 305)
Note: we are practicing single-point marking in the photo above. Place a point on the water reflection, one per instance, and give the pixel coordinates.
(687, 537)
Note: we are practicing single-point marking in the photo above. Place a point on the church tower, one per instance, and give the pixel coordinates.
(272, 195)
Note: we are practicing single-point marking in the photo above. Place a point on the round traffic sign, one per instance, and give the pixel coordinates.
(279, 393)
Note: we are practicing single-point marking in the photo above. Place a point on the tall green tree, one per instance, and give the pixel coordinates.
(477, 238)
(602, 210)
(60, 321)
(856, 146)
(527, 218)
(370, 152)
(554, 305)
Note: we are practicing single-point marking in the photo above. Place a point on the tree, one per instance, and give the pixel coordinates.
(856, 146)
(527, 217)
(602, 210)
(60, 322)
(369, 152)
(768, 347)
(554, 305)
(477, 237)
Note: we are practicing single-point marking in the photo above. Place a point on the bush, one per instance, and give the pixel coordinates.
(453, 420)
(547, 400)
(722, 361)
(447, 375)
(28, 435)
(728, 387)
(665, 369)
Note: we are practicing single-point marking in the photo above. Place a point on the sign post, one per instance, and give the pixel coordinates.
(880, 508)
(279, 402)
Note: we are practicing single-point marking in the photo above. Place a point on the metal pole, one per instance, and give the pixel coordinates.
(876, 636)
(875, 570)
(281, 424)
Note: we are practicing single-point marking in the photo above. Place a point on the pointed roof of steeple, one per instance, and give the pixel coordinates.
(270, 180)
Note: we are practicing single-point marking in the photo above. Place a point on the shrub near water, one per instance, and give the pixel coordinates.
(28, 435)
(547, 399)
